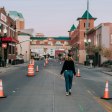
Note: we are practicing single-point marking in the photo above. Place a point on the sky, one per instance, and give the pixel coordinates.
(55, 17)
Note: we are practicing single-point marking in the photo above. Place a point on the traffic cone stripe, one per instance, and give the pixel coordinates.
(30, 70)
(1, 90)
(106, 89)
(0, 83)
(37, 69)
(106, 92)
(78, 73)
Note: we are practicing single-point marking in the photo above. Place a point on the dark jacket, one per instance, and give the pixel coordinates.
(68, 65)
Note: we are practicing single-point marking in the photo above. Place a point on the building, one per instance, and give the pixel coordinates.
(50, 45)
(23, 47)
(40, 35)
(18, 17)
(8, 36)
(101, 36)
(78, 35)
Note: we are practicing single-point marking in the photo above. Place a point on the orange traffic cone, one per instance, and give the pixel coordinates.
(37, 70)
(30, 70)
(46, 61)
(44, 64)
(1, 90)
(106, 92)
(78, 73)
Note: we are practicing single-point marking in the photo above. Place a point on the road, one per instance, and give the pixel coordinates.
(45, 92)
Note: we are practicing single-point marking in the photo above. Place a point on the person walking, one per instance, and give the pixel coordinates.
(69, 70)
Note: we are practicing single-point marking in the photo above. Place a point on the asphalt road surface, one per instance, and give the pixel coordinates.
(45, 92)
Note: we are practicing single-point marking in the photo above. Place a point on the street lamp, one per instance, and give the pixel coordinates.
(87, 42)
(1, 36)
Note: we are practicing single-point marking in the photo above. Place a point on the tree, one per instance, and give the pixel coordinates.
(92, 49)
(107, 52)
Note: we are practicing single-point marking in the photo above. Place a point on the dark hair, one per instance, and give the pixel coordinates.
(69, 55)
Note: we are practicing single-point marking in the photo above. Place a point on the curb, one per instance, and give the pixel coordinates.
(110, 73)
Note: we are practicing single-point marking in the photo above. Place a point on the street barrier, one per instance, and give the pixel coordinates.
(30, 70)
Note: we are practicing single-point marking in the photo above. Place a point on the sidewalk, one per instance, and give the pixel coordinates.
(10, 67)
(4, 69)
(101, 69)
(106, 70)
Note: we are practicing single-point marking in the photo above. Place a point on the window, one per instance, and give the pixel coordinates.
(65, 43)
(9, 49)
(41, 42)
(33, 42)
(111, 39)
(13, 50)
(58, 43)
(84, 25)
(49, 43)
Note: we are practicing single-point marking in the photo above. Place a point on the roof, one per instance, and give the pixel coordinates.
(27, 31)
(20, 15)
(86, 15)
(38, 38)
(24, 34)
(61, 38)
(16, 15)
(72, 28)
(44, 38)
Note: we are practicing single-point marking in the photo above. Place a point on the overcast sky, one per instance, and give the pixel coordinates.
(55, 17)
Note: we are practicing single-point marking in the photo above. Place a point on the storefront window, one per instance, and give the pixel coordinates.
(9, 49)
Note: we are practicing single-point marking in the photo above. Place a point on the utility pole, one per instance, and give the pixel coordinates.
(86, 29)
(87, 22)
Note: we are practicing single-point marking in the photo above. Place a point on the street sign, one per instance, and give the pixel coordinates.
(4, 45)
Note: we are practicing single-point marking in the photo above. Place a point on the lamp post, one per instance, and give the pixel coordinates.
(1, 36)
(87, 43)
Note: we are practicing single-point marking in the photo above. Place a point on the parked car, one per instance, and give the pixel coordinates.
(107, 63)
(19, 60)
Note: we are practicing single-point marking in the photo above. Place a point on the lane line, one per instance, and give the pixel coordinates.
(107, 106)
(81, 108)
(61, 77)
(53, 95)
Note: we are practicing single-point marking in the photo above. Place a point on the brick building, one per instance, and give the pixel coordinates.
(101, 35)
(18, 17)
(8, 37)
(78, 35)
(50, 45)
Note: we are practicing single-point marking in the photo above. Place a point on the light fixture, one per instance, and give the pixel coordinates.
(85, 40)
(5, 30)
(89, 40)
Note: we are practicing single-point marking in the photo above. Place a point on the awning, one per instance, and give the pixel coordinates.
(9, 39)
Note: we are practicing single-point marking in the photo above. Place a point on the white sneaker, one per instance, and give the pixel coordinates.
(70, 92)
(67, 93)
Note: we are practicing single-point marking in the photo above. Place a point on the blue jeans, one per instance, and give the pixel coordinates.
(68, 74)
